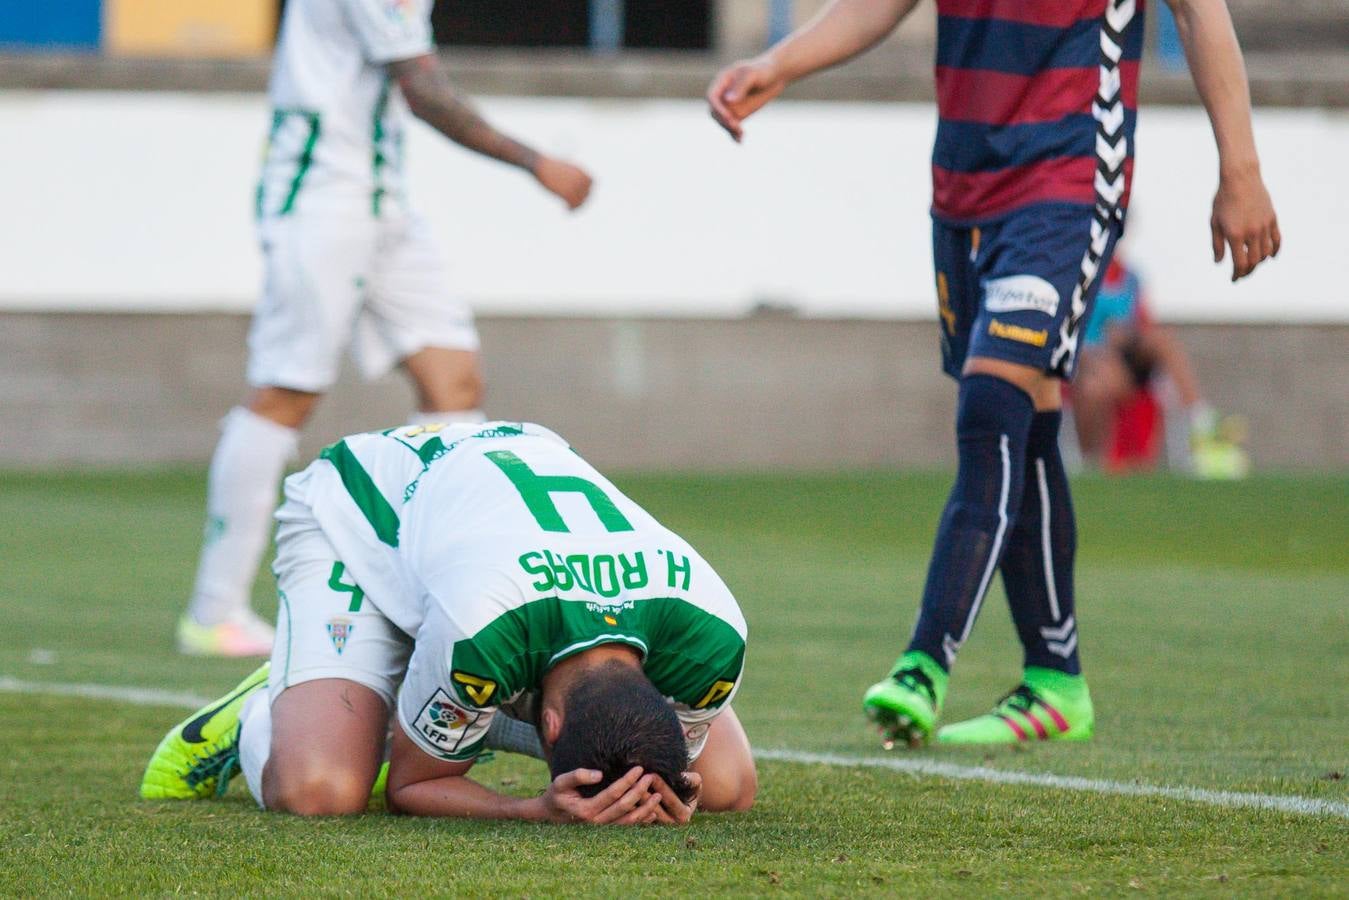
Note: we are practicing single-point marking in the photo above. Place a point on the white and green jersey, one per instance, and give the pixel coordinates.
(335, 143)
(501, 552)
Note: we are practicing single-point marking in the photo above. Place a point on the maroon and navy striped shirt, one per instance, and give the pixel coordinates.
(1027, 92)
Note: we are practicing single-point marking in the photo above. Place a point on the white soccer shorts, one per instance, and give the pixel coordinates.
(376, 285)
(325, 626)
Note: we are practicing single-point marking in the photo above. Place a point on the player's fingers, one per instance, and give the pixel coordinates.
(729, 122)
(1217, 234)
(620, 787)
(716, 101)
(1239, 265)
(670, 802)
(662, 817)
(644, 814)
(1278, 238)
(633, 798)
(741, 82)
(570, 781)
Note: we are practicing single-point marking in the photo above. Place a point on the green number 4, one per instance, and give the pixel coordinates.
(537, 490)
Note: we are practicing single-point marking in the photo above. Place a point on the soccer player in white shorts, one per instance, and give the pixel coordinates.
(472, 581)
(347, 264)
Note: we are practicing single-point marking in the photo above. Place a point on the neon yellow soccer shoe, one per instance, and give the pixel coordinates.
(1047, 706)
(197, 758)
(906, 704)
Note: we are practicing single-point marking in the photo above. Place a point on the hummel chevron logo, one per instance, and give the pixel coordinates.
(1112, 155)
(1119, 15)
(1061, 641)
(1111, 119)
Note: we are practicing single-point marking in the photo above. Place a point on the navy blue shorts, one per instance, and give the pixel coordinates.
(1021, 289)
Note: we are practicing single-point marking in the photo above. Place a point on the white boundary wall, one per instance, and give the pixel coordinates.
(131, 201)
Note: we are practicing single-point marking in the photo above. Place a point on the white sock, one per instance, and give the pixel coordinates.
(255, 740)
(448, 417)
(241, 495)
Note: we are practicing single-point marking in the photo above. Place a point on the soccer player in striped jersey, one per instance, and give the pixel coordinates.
(1031, 174)
(483, 586)
(348, 264)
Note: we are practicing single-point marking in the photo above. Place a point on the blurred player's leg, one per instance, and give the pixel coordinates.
(412, 319)
(311, 297)
(448, 384)
(1037, 572)
(242, 487)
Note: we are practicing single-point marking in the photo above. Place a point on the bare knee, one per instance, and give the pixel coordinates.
(730, 791)
(283, 406)
(446, 380)
(305, 790)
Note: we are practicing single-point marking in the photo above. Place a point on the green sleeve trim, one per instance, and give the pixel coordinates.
(364, 492)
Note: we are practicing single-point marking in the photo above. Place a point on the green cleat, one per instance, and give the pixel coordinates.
(1048, 705)
(905, 705)
(197, 758)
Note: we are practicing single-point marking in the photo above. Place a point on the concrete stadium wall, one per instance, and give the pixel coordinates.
(134, 202)
(769, 391)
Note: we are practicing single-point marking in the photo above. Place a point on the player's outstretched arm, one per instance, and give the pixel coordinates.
(420, 785)
(1243, 214)
(433, 99)
(842, 30)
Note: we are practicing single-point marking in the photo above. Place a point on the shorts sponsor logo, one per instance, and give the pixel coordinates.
(339, 631)
(1017, 333)
(695, 733)
(444, 722)
(1021, 292)
(478, 689)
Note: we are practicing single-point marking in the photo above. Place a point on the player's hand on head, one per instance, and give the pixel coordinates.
(672, 810)
(742, 89)
(1244, 220)
(569, 183)
(628, 801)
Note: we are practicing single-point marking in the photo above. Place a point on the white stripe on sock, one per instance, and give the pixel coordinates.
(997, 540)
(1044, 539)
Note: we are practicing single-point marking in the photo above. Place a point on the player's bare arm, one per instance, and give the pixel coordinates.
(842, 30)
(432, 98)
(1243, 214)
(420, 785)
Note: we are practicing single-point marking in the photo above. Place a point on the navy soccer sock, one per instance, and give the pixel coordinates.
(993, 420)
(1037, 568)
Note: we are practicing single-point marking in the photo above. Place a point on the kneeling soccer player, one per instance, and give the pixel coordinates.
(502, 581)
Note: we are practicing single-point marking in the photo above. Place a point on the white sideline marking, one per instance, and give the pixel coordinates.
(918, 766)
(1231, 799)
(133, 695)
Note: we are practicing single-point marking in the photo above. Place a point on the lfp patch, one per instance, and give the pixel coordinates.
(339, 630)
(444, 722)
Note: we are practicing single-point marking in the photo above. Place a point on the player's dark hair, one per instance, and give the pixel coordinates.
(614, 719)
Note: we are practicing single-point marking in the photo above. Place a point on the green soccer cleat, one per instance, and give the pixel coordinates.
(197, 758)
(906, 704)
(1048, 705)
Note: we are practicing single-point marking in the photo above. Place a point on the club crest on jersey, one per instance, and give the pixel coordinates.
(339, 630)
(400, 10)
(443, 722)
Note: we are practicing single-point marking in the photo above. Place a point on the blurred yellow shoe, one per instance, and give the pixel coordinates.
(1216, 451)
(241, 635)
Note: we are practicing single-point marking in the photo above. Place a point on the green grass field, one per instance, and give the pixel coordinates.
(1215, 633)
